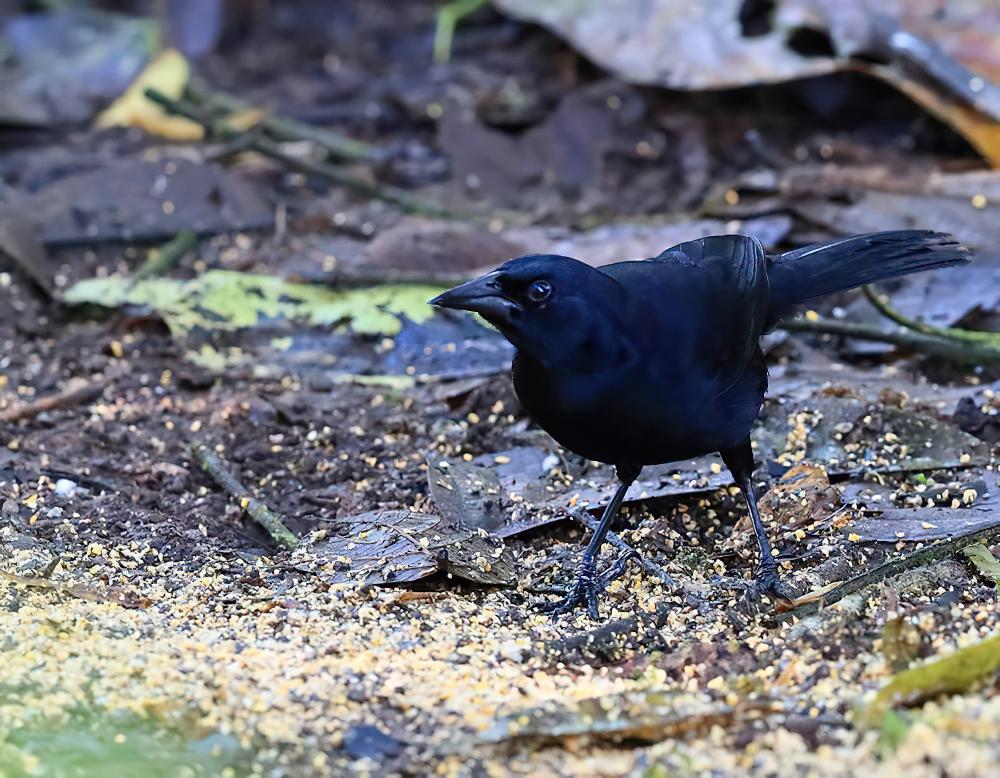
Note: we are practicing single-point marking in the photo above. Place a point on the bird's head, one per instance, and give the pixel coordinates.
(555, 309)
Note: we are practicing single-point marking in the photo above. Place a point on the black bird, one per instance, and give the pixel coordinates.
(658, 360)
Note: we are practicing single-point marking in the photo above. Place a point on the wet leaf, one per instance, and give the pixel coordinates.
(984, 561)
(801, 497)
(390, 547)
(530, 478)
(953, 674)
(448, 347)
(523, 472)
(711, 44)
(526, 472)
(643, 715)
(848, 436)
(19, 240)
(678, 479)
(135, 200)
(692, 45)
(365, 741)
(168, 74)
(466, 494)
(916, 525)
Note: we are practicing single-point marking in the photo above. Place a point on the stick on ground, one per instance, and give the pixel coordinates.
(282, 128)
(882, 305)
(962, 352)
(270, 521)
(931, 553)
(76, 392)
(169, 254)
(650, 568)
(250, 141)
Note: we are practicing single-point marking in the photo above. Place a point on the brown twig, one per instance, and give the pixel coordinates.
(114, 595)
(608, 639)
(271, 522)
(76, 392)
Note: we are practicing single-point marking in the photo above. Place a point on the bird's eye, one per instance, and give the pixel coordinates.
(539, 291)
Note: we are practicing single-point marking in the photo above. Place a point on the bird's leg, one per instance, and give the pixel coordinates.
(588, 584)
(766, 581)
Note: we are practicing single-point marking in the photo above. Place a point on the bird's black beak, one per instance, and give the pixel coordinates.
(481, 295)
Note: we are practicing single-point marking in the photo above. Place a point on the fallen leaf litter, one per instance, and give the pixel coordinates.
(287, 658)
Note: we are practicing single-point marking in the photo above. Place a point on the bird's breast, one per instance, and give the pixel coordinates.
(632, 415)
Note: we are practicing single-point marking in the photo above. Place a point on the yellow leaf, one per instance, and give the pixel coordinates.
(981, 131)
(168, 73)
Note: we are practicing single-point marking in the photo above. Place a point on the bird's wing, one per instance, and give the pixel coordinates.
(705, 300)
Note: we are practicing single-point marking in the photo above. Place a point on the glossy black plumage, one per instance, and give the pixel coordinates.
(654, 361)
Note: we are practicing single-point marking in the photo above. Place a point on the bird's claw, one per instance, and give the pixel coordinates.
(581, 593)
(767, 582)
(587, 587)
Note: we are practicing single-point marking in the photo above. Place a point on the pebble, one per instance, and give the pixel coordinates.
(66, 488)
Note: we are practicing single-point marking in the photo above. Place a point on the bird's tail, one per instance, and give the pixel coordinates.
(801, 275)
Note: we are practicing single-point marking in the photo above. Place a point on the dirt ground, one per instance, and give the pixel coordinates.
(147, 624)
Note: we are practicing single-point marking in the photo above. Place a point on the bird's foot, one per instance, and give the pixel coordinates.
(767, 582)
(588, 586)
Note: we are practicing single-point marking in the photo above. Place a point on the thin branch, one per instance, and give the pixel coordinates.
(169, 254)
(114, 595)
(448, 17)
(370, 275)
(948, 348)
(249, 141)
(932, 553)
(285, 129)
(76, 392)
(882, 305)
(230, 484)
